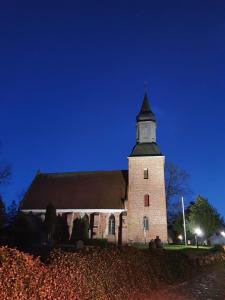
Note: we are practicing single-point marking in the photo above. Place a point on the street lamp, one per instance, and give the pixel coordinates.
(198, 232)
(222, 233)
(180, 237)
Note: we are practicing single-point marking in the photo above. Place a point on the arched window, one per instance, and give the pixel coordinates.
(146, 200)
(145, 223)
(112, 224)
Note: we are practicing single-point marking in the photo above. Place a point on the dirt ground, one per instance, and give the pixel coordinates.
(208, 285)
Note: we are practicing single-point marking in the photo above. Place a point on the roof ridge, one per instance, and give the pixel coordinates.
(80, 172)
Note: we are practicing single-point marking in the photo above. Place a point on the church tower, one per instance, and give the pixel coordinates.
(147, 216)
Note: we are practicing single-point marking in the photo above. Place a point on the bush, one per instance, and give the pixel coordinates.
(80, 230)
(96, 273)
(218, 248)
(50, 221)
(61, 234)
(103, 243)
(26, 230)
(20, 275)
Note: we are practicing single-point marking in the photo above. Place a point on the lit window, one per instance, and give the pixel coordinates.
(146, 200)
(112, 224)
(145, 173)
(145, 223)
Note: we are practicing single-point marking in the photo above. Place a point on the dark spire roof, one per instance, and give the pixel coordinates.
(146, 113)
(146, 149)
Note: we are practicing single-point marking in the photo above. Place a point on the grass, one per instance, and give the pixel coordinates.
(176, 247)
(190, 250)
(184, 247)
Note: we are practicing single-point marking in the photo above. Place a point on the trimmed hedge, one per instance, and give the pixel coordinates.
(94, 273)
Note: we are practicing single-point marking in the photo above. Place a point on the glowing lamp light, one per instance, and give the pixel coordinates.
(198, 231)
(180, 237)
(222, 233)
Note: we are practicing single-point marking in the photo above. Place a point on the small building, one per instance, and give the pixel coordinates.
(123, 206)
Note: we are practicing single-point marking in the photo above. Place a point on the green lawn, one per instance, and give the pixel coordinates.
(190, 250)
(184, 247)
(175, 247)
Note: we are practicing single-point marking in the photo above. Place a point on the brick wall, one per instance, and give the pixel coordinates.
(138, 187)
(100, 228)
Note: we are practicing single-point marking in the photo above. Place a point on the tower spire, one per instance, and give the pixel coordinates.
(146, 113)
(146, 132)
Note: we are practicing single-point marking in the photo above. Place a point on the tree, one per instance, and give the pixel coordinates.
(26, 230)
(202, 214)
(80, 229)
(2, 214)
(176, 181)
(61, 233)
(12, 212)
(50, 220)
(177, 224)
(5, 172)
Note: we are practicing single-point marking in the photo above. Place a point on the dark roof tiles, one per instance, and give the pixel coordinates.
(79, 190)
(146, 149)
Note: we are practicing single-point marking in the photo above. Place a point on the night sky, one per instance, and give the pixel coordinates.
(72, 79)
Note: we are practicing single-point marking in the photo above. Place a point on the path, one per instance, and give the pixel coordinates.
(208, 285)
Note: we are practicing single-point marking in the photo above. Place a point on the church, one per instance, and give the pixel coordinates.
(122, 206)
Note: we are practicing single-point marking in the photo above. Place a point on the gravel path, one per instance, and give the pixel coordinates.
(208, 285)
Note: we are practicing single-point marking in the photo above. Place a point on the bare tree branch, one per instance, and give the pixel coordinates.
(176, 181)
(5, 173)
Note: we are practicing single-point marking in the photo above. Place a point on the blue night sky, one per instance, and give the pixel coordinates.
(72, 81)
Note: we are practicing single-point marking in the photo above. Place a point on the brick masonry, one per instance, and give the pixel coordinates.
(154, 186)
(129, 228)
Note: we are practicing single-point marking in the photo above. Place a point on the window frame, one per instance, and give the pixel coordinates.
(146, 200)
(112, 225)
(145, 223)
(145, 173)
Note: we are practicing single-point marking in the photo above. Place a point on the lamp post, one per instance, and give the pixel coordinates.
(198, 232)
(184, 223)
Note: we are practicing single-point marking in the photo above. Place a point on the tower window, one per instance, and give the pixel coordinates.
(112, 225)
(145, 223)
(146, 200)
(146, 173)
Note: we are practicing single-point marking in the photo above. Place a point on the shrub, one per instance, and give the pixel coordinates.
(26, 230)
(103, 243)
(218, 248)
(96, 273)
(50, 220)
(20, 275)
(61, 233)
(80, 230)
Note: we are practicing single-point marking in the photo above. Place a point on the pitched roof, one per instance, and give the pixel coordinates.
(146, 113)
(78, 190)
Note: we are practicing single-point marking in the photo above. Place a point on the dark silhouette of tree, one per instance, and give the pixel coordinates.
(176, 182)
(61, 233)
(5, 172)
(2, 214)
(50, 221)
(12, 212)
(177, 225)
(80, 229)
(26, 230)
(203, 215)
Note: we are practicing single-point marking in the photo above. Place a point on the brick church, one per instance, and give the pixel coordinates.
(123, 206)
